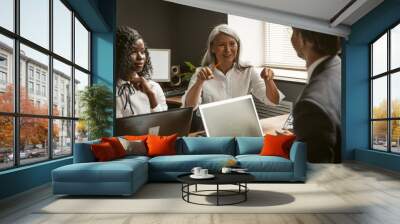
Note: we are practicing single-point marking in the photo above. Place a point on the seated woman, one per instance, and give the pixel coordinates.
(223, 76)
(136, 93)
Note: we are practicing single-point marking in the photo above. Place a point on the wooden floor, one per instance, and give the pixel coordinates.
(378, 188)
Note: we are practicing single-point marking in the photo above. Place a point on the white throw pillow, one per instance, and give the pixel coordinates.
(136, 147)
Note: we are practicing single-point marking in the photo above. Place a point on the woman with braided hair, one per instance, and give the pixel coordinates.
(136, 93)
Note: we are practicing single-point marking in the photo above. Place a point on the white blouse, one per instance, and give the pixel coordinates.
(234, 84)
(130, 101)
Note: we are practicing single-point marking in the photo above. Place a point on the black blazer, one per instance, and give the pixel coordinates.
(316, 114)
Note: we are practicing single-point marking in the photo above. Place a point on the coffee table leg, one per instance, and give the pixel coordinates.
(217, 194)
(245, 191)
(196, 188)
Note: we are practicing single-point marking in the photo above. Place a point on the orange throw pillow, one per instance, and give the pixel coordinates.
(161, 145)
(116, 145)
(103, 151)
(135, 137)
(277, 145)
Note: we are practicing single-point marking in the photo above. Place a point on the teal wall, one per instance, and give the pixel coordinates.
(24, 178)
(356, 99)
(99, 15)
(103, 49)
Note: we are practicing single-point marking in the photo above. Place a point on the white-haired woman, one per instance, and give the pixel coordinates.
(223, 76)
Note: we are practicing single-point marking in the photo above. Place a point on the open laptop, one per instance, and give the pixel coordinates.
(159, 123)
(232, 117)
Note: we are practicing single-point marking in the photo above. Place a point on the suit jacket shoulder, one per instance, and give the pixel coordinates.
(324, 88)
(317, 112)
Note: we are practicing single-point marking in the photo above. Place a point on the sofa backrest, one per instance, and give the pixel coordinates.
(206, 145)
(83, 152)
(249, 145)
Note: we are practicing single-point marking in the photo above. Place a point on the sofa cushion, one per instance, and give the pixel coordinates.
(103, 151)
(257, 163)
(185, 163)
(277, 145)
(206, 145)
(130, 158)
(116, 145)
(112, 171)
(134, 147)
(161, 145)
(249, 145)
(135, 137)
(83, 152)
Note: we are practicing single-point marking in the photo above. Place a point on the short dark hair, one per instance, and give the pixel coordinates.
(322, 43)
(126, 38)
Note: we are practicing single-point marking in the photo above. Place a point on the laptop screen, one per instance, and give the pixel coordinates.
(232, 117)
(159, 123)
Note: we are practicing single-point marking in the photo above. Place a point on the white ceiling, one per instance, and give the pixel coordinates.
(320, 9)
(307, 14)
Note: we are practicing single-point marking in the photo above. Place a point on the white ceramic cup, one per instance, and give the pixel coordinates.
(203, 172)
(226, 170)
(196, 171)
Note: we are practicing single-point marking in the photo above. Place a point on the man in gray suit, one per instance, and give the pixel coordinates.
(316, 114)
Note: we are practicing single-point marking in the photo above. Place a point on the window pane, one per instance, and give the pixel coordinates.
(7, 14)
(6, 74)
(6, 142)
(379, 135)
(379, 56)
(62, 29)
(395, 47)
(81, 81)
(62, 138)
(379, 97)
(81, 45)
(395, 94)
(35, 21)
(33, 139)
(34, 87)
(81, 131)
(395, 138)
(62, 89)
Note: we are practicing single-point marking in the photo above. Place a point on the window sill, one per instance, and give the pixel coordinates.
(26, 167)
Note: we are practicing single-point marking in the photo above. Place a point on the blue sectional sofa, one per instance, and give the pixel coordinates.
(125, 176)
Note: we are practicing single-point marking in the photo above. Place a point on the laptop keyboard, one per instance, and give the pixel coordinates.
(174, 92)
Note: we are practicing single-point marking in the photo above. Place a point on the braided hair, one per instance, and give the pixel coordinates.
(126, 38)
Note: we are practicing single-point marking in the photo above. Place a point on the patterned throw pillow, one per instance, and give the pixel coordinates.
(133, 147)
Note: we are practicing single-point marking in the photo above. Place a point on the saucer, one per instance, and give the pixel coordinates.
(208, 176)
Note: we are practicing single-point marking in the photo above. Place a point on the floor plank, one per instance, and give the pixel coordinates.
(376, 189)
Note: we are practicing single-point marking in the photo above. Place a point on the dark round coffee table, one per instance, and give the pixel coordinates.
(238, 179)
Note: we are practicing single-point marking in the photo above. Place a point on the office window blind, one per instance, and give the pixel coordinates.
(278, 48)
(268, 44)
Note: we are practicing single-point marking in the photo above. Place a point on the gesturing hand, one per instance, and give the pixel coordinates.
(267, 74)
(141, 84)
(204, 74)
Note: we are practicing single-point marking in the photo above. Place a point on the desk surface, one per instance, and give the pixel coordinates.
(268, 125)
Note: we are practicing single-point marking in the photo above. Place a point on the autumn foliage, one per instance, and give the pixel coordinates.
(33, 130)
(380, 127)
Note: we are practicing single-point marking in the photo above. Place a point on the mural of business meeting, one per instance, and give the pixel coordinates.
(293, 75)
(156, 58)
